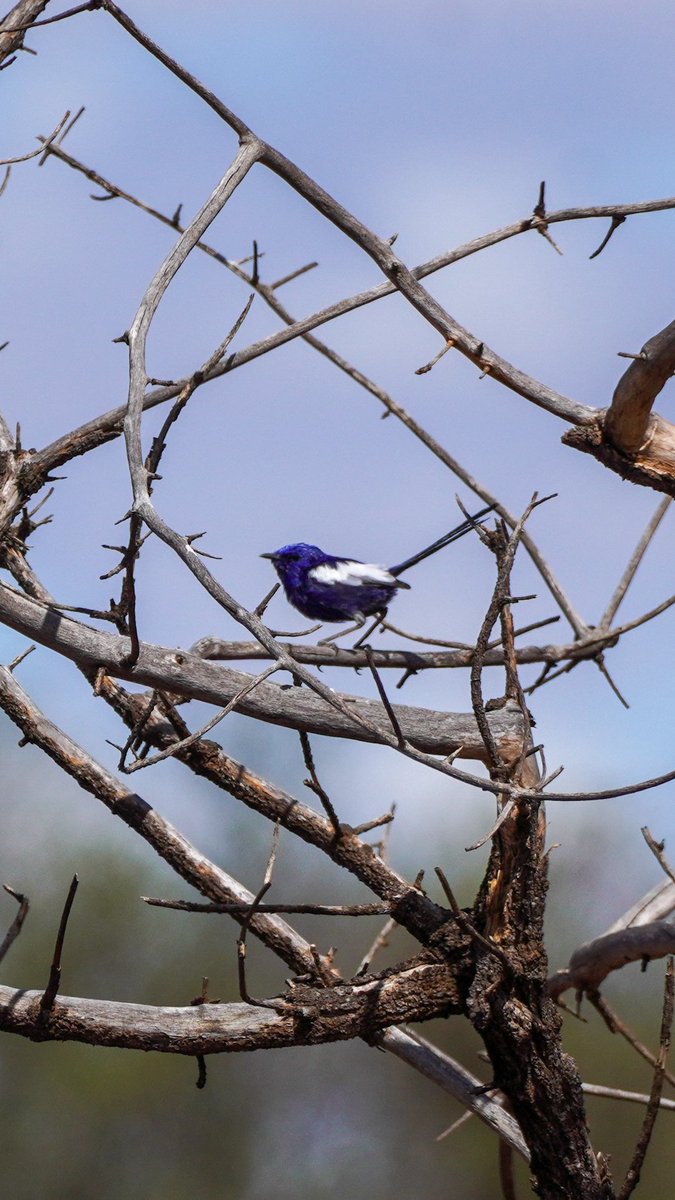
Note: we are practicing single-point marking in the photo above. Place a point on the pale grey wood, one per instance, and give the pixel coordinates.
(179, 671)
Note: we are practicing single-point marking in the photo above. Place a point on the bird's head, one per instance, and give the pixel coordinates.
(293, 562)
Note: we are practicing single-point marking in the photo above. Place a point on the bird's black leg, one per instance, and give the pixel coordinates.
(342, 633)
(371, 629)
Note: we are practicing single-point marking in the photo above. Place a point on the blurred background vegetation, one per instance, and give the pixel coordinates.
(327, 1122)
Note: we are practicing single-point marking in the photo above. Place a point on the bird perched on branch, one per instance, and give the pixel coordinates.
(326, 587)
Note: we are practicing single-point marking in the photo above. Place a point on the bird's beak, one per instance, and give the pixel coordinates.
(269, 555)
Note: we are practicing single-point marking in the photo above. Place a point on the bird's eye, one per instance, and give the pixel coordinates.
(292, 557)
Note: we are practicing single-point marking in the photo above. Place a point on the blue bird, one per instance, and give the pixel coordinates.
(326, 587)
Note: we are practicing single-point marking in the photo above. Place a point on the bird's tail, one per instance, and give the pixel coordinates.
(441, 542)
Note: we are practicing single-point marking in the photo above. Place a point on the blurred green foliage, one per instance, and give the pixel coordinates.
(335, 1121)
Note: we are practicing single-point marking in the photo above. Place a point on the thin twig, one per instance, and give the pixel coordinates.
(500, 597)
(602, 667)
(8, 162)
(609, 1093)
(470, 928)
(15, 928)
(633, 564)
(505, 812)
(633, 1174)
(657, 849)
(384, 698)
(617, 219)
(315, 910)
(19, 658)
(616, 1025)
(159, 442)
(292, 275)
(507, 1177)
(70, 12)
(376, 823)
(437, 357)
(241, 941)
(49, 994)
(141, 762)
(314, 785)
(257, 611)
(201, 1072)
(380, 943)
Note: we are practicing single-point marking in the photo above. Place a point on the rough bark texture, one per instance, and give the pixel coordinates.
(518, 1021)
(652, 466)
(304, 1016)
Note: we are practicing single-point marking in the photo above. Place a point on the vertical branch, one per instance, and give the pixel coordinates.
(634, 1171)
(49, 994)
(248, 154)
(511, 1009)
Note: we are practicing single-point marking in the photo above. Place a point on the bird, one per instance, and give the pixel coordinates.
(332, 588)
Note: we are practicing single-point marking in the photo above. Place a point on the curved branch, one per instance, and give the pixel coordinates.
(628, 417)
(593, 962)
(629, 439)
(303, 1017)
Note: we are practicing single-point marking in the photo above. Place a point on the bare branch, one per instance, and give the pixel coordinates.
(629, 439)
(586, 648)
(616, 1025)
(315, 786)
(608, 1093)
(313, 910)
(179, 672)
(628, 417)
(657, 903)
(635, 1169)
(592, 963)
(311, 1016)
(657, 849)
(15, 928)
(13, 27)
(7, 162)
(141, 762)
(415, 911)
(635, 560)
(457, 1081)
(248, 916)
(176, 850)
(50, 992)
(380, 251)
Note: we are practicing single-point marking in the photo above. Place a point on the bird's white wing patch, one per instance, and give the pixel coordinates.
(354, 574)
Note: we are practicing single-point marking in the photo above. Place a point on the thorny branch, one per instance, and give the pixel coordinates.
(490, 964)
